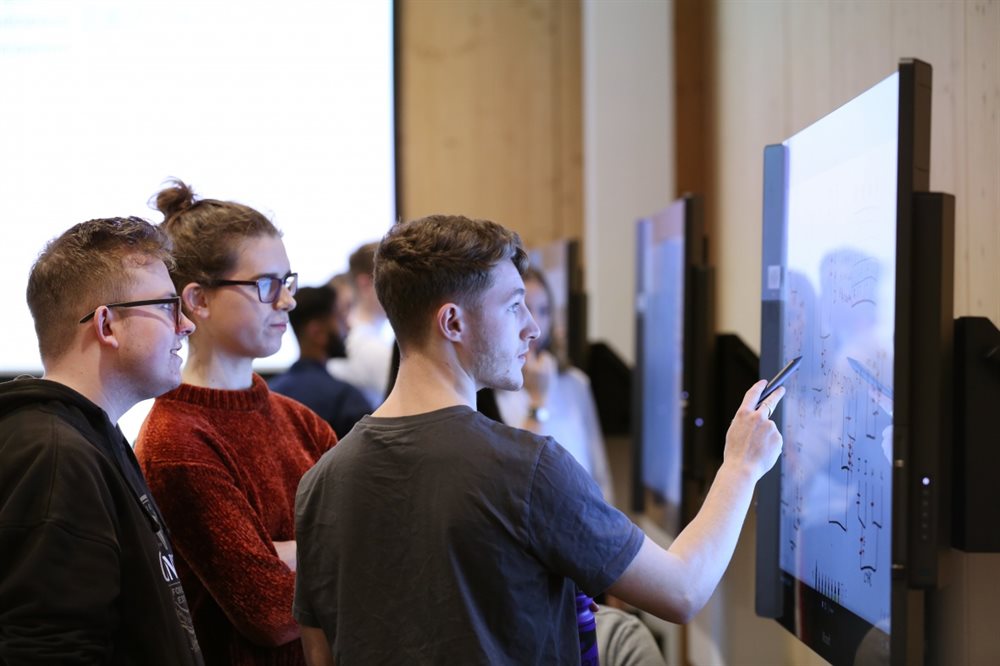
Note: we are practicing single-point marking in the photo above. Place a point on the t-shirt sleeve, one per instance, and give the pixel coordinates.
(571, 529)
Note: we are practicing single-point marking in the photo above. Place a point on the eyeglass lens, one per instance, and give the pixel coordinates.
(268, 288)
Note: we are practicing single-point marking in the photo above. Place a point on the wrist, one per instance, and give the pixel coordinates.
(738, 472)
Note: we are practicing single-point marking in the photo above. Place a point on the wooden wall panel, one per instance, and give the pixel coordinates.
(567, 215)
(807, 49)
(782, 65)
(490, 113)
(751, 112)
(977, 259)
(694, 117)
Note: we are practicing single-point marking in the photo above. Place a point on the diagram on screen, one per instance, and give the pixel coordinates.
(837, 418)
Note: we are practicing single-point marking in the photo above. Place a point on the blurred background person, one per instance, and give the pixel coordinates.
(223, 454)
(343, 287)
(315, 323)
(556, 398)
(370, 339)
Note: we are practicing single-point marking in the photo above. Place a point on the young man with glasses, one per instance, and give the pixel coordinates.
(223, 453)
(86, 567)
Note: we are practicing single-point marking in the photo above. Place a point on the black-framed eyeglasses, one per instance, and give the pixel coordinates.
(268, 287)
(173, 304)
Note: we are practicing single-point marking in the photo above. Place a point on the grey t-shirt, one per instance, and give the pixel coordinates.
(450, 538)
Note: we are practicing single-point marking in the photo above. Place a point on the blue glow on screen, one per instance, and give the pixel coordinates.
(663, 402)
(839, 315)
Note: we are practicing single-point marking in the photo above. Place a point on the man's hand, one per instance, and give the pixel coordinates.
(753, 441)
(676, 584)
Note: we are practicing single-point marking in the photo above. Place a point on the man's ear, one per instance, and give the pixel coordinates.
(195, 300)
(102, 327)
(452, 321)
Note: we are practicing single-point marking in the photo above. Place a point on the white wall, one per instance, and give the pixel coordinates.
(628, 151)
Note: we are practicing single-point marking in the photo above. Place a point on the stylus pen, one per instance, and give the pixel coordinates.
(779, 379)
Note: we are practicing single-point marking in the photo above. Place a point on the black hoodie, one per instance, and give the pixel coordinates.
(86, 570)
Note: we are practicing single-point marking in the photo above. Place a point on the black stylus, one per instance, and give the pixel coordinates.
(780, 378)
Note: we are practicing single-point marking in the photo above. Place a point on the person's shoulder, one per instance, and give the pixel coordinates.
(54, 480)
(43, 429)
(176, 432)
(170, 418)
(315, 428)
(513, 444)
(500, 429)
(173, 406)
(344, 389)
(464, 432)
(290, 405)
(282, 381)
(39, 443)
(464, 425)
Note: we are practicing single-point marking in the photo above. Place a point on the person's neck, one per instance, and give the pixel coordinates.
(314, 355)
(426, 384)
(209, 369)
(94, 386)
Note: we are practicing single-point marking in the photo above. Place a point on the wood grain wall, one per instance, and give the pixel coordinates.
(491, 113)
(782, 65)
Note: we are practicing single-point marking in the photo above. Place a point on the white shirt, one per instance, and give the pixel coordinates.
(369, 360)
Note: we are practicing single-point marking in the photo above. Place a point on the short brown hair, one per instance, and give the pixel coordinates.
(84, 268)
(362, 261)
(206, 232)
(423, 263)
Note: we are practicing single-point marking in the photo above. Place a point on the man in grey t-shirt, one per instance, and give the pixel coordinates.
(431, 534)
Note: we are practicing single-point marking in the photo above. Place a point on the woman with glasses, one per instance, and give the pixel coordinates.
(223, 454)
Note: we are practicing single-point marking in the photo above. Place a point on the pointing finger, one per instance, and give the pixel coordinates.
(771, 402)
(752, 395)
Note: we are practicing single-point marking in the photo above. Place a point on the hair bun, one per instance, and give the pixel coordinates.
(176, 198)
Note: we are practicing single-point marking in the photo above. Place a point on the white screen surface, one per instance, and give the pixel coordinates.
(664, 357)
(836, 487)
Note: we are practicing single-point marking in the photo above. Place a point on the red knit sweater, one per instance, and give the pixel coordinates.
(224, 467)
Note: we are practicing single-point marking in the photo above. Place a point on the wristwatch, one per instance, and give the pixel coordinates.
(538, 413)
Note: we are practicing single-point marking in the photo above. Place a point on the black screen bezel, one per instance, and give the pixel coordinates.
(697, 311)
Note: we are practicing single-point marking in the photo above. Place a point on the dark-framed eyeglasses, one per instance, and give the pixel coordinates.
(172, 305)
(268, 287)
